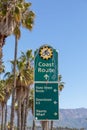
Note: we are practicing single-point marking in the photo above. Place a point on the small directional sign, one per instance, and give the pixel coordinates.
(46, 101)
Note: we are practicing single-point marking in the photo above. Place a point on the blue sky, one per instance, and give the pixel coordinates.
(63, 25)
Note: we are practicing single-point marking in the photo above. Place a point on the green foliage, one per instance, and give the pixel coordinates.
(2, 68)
(2, 92)
(61, 84)
(19, 12)
(17, 31)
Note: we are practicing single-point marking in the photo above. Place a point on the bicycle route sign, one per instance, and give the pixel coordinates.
(46, 64)
(46, 101)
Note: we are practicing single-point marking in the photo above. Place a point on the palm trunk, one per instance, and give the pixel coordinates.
(51, 125)
(19, 114)
(25, 121)
(45, 125)
(2, 42)
(26, 110)
(14, 86)
(33, 127)
(5, 117)
(2, 123)
(23, 115)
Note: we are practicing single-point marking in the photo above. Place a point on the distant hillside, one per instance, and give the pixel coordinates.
(71, 118)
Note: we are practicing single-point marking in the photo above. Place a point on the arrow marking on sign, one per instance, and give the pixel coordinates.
(36, 118)
(55, 102)
(55, 113)
(55, 90)
(46, 76)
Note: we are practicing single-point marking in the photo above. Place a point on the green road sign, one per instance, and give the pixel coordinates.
(46, 64)
(46, 101)
(46, 84)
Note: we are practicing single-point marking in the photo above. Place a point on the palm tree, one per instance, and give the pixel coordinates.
(3, 95)
(24, 80)
(13, 15)
(25, 17)
(8, 91)
(5, 91)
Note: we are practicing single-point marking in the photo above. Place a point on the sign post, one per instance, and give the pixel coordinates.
(46, 84)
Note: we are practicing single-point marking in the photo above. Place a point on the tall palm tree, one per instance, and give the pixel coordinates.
(25, 17)
(13, 15)
(4, 96)
(24, 80)
(7, 90)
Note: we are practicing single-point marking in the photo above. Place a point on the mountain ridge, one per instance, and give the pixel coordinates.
(71, 118)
